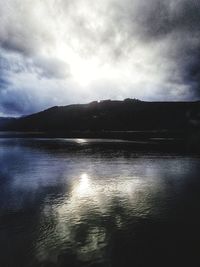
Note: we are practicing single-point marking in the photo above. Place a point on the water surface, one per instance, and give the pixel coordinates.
(78, 202)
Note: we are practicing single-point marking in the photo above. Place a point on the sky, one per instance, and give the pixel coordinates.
(59, 52)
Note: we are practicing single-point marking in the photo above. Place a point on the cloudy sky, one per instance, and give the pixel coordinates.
(58, 52)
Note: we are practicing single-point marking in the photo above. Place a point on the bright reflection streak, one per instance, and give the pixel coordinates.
(84, 185)
(92, 198)
(89, 193)
(80, 141)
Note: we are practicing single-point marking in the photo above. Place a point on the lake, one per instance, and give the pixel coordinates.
(83, 202)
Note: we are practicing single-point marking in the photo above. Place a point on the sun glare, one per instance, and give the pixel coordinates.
(80, 141)
(84, 185)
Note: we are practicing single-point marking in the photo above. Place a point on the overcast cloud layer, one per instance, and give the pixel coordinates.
(57, 52)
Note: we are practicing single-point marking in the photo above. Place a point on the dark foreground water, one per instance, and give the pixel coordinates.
(96, 203)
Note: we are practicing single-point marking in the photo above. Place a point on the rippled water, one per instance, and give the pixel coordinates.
(96, 203)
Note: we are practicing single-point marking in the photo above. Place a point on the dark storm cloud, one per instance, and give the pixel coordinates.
(14, 102)
(174, 22)
(160, 18)
(3, 83)
(180, 23)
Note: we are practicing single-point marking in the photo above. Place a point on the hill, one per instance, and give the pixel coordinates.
(127, 115)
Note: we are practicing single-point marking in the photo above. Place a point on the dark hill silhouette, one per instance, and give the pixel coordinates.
(151, 125)
(4, 121)
(127, 115)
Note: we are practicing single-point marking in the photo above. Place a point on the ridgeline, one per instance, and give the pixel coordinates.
(129, 119)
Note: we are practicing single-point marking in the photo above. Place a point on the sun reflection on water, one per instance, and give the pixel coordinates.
(80, 140)
(84, 186)
(90, 199)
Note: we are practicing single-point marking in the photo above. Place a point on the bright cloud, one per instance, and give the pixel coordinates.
(56, 52)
